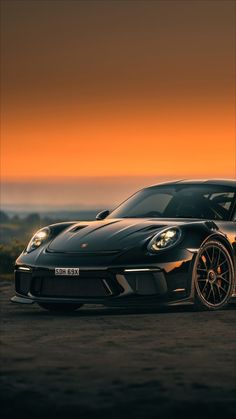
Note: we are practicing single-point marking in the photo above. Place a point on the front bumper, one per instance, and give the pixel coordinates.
(169, 283)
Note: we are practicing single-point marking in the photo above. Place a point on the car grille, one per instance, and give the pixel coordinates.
(74, 287)
(147, 283)
(22, 282)
(88, 285)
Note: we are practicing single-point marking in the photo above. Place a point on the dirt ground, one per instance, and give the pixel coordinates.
(114, 363)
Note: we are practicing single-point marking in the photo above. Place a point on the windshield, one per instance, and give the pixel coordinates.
(179, 201)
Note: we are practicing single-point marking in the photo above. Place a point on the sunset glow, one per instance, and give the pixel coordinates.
(159, 141)
(83, 98)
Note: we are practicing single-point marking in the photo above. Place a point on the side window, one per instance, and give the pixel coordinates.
(225, 200)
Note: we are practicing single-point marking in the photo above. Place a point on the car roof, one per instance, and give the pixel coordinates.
(220, 182)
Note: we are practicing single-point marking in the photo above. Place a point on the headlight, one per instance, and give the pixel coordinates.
(165, 239)
(39, 238)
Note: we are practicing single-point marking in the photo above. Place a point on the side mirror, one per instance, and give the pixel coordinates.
(103, 214)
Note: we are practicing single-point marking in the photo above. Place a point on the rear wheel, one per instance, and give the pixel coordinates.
(60, 307)
(213, 276)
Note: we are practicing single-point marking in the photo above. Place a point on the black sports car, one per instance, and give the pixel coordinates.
(173, 243)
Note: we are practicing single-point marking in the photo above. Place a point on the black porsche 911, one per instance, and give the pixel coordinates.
(173, 243)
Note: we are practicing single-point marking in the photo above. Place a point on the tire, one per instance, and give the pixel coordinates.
(60, 307)
(213, 276)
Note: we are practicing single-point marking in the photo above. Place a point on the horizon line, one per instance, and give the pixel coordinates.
(50, 179)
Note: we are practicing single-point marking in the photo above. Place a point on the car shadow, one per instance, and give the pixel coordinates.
(98, 311)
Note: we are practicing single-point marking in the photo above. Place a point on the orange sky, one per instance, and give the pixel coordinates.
(118, 88)
(161, 141)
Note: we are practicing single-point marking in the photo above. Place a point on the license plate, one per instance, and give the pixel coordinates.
(67, 271)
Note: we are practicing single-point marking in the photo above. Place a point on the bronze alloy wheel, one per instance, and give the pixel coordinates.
(213, 276)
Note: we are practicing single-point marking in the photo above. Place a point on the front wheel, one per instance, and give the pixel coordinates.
(60, 307)
(213, 276)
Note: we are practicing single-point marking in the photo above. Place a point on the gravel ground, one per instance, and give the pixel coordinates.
(114, 363)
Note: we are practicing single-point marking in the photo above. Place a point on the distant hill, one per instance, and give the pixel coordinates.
(51, 214)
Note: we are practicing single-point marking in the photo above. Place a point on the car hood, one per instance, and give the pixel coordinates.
(108, 235)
